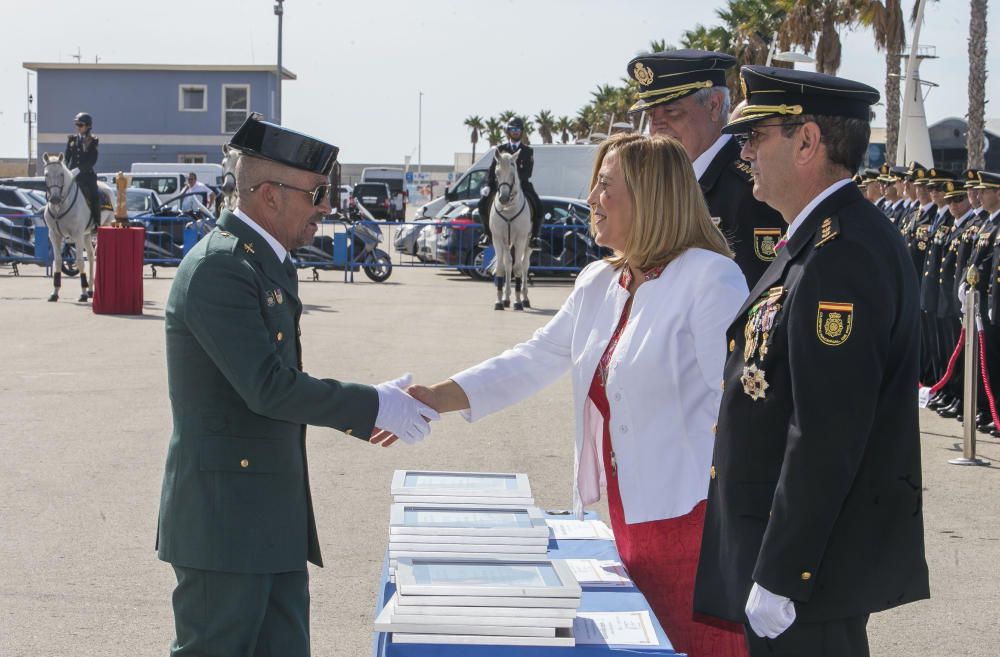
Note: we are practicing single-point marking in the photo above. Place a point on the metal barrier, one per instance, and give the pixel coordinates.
(972, 330)
(24, 239)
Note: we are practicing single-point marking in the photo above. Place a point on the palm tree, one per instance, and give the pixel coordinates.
(475, 124)
(886, 20)
(805, 19)
(529, 128)
(659, 45)
(494, 131)
(546, 125)
(707, 38)
(751, 25)
(565, 127)
(977, 84)
(587, 118)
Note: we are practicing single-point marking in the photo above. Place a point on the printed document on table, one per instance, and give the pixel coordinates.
(625, 628)
(597, 572)
(579, 529)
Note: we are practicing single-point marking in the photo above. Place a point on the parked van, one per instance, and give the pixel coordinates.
(208, 173)
(560, 170)
(167, 185)
(396, 181)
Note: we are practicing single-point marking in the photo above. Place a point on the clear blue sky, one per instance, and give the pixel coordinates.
(362, 64)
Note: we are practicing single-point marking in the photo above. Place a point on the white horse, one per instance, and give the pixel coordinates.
(67, 216)
(229, 194)
(510, 223)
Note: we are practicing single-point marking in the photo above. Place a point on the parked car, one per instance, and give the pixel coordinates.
(346, 197)
(16, 197)
(375, 197)
(458, 218)
(396, 180)
(405, 240)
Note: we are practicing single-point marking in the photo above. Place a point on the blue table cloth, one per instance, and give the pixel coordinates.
(593, 599)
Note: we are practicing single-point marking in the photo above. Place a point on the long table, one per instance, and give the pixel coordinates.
(593, 599)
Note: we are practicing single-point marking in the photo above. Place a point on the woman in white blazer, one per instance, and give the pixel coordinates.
(643, 337)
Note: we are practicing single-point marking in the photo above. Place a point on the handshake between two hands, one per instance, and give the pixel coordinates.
(404, 412)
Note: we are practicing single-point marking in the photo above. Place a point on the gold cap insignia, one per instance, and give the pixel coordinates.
(834, 322)
(971, 174)
(950, 186)
(643, 75)
(743, 88)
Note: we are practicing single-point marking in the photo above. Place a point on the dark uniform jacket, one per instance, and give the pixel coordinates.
(81, 153)
(917, 235)
(752, 228)
(980, 267)
(815, 487)
(929, 284)
(235, 494)
(948, 273)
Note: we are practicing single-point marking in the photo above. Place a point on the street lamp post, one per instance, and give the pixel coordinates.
(279, 11)
(420, 134)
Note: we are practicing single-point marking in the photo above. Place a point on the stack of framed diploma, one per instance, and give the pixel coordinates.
(469, 531)
(482, 601)
(477, 488)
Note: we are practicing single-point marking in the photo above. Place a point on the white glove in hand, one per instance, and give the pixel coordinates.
(399, 413)
(961, 296)
(769, 614)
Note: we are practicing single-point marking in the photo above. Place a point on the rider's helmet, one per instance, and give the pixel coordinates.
(85, 119)
(515, 125)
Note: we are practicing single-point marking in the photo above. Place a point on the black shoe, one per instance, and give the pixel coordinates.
(939, 400)
(954, 410)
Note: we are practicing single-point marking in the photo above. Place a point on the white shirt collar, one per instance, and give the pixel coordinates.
(812, 205)
(898, 203)
(925, 208)
(279, 250)
(701, 163)
(961, 220)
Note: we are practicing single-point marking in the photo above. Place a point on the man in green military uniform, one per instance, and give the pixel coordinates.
(236, 519)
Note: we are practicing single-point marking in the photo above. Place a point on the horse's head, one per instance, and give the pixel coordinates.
(57, 177)
(229, 157)
(506, 172)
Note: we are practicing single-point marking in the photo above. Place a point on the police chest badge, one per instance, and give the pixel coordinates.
(834, 322)
(764, 241)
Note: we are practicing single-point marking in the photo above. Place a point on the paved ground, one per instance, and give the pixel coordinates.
(85, 425)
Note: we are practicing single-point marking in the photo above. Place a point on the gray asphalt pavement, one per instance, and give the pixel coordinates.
(86, 420)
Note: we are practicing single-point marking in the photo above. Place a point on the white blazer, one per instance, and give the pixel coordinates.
(663, 384)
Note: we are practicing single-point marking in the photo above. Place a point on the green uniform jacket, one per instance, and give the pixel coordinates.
(235, 492)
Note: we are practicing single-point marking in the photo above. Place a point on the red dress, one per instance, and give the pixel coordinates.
(661, 556)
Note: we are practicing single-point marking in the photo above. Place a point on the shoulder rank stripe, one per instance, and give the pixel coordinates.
(829, 230)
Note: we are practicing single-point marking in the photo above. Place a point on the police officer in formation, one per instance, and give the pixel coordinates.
(684, 96)
(81, 157)
(813, 519)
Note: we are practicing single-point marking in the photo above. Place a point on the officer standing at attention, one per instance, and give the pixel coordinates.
(525, 166)
(814, 514)
(684, 94)
(236, 519)
(81, 158)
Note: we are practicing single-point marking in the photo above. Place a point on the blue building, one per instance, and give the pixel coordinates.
(150, 112)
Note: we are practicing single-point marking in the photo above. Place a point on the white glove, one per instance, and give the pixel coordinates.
(961, 296)
(769, 614)
(399, 413)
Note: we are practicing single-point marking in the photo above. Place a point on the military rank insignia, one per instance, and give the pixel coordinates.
(756, 333)
(278, 296)
(764, 241)
(834, 322)
(248, 247)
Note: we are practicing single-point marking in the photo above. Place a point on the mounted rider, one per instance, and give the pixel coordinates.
(81, 157)
(525, 164)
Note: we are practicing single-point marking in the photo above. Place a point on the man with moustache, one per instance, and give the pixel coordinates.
(684, 94)
(813, 519)
(236, 519)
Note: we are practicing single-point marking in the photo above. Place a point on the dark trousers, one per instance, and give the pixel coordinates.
(241, 615)
(840, 638)
(87, 181)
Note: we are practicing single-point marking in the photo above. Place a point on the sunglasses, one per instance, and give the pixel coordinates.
(753, 134)
(956, 199)
(318, 194)
(80, 125)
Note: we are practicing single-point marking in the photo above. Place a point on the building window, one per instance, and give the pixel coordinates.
(192, 158)
(192, 98)
(235, 106)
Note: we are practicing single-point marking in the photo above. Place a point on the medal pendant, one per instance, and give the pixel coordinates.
(754, 384)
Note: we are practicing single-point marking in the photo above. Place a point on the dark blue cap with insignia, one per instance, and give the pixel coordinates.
(273, 142)
(971, 178)
(780, 92)
(954, 188)
(664, 77)
(935, 177)
(988, 180)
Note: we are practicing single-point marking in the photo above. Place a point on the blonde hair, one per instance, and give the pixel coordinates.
(670, 215)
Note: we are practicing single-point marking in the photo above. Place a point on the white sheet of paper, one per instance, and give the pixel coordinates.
(595, 572)
(626, 628)
(579, 529)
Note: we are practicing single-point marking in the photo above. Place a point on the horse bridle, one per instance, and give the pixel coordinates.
(62, 199)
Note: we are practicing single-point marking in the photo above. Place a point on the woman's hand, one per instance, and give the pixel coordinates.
(442, 397)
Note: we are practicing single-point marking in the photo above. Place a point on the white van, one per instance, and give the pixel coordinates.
(396, 181)
(167, 185)
(208, 173)
(560, 170)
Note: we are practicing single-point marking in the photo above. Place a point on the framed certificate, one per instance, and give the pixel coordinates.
(563, 638)
(485, 577)
(462, 484)
(438, 539)
(387, 622)
(467, 520)
(467, 548)
(465, 500)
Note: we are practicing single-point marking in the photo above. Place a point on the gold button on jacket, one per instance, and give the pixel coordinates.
(806, 576)
(244, 463)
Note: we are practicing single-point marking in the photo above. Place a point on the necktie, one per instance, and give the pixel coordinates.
(780, 245)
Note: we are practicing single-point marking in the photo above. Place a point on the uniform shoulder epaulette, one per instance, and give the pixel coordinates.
(828, 230)
(70, 137)
(224, 241)
(744, 168)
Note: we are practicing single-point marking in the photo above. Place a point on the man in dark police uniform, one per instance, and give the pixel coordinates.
(236, 518)
(685, 96)
(814, 514)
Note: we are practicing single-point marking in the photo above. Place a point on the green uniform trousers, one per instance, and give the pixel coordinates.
(221, 614)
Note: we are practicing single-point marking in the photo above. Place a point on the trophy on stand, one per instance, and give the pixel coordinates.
(121, 213)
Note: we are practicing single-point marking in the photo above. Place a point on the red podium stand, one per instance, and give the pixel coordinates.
(118, 280)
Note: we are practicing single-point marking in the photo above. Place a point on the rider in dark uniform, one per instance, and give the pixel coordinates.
(81, 154)
(525, 164)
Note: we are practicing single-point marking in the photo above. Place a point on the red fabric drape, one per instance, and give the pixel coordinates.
(118, 284)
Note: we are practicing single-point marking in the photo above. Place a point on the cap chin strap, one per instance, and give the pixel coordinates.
(771, 109)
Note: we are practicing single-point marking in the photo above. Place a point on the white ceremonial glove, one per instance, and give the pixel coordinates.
(401, 414)
(961, 296)
(769, 614)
